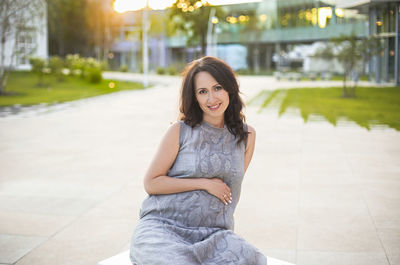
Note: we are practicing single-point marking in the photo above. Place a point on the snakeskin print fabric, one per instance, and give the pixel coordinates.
(195, 227)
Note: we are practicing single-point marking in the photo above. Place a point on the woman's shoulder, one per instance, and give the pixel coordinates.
(173, 131)
(179, 130)
(174, 126)
(250, 128)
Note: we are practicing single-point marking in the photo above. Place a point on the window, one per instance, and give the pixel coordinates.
(25, 45)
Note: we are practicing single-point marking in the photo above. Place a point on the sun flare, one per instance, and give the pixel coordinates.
(130, 5)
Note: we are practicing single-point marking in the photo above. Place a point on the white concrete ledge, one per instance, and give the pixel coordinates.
(123, 259)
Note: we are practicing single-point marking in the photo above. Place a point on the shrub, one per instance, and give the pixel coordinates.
(244, 71)
(88, 68)
(172, 70)
(56, 65)
(38, 65)
(92, 70)
(104, 65)
(124, 68)
(94, 74)
(160, 70)
(75, 64)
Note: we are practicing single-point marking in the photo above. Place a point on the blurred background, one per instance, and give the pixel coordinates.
(254, 37)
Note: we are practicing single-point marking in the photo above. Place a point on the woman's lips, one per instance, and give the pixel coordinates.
(214, 107)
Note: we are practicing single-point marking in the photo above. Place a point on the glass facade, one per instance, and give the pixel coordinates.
(382, 23)
(287, 15)
(276, 27)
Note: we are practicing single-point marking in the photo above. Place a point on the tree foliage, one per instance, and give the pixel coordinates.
(353, 53)
(68, 27)
(80, 27)
(191, 17)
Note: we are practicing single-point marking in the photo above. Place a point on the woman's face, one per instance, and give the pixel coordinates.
(212, 97)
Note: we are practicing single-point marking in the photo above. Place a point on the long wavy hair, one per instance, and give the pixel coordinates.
(190, 111)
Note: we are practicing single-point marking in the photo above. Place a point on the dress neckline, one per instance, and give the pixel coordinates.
(213, 127)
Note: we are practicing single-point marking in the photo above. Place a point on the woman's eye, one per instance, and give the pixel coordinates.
(218, 88)
(202, 91)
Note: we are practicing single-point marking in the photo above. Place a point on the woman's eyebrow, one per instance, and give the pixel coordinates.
(217, 84)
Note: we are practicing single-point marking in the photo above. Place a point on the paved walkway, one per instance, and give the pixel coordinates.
(71, 181)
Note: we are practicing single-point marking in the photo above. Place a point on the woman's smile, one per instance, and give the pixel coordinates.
(215, 107)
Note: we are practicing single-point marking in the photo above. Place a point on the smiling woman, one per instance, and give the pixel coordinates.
(195, 178)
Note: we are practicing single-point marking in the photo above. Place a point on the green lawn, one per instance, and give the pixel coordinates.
(372, 105)
(22, 89)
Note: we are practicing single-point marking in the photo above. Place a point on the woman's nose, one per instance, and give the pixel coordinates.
(211, 96)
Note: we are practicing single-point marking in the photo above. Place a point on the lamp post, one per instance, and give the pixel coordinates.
(121, 6)
(209, 50)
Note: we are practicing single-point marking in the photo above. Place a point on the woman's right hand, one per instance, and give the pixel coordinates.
(219, 189)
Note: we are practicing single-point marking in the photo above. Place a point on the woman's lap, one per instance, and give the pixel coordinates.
(158, 242)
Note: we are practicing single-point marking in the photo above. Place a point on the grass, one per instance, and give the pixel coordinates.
(372, 106)
(23, 89)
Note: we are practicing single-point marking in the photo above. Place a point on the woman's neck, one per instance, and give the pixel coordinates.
(215, 122)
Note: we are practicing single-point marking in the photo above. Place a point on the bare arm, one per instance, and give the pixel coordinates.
(251, 141)
(156, 180)
(250, 147)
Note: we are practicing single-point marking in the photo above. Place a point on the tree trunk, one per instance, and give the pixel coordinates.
(353, 90)
(3, 81)
(2, 87)
(344, 93)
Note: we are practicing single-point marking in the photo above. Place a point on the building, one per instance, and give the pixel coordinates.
(273, 34)
(26, 35)
(274, 27)
(383, 22)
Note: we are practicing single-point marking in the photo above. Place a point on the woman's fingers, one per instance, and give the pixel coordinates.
(223, 191)
(226, 198)
(227, 195)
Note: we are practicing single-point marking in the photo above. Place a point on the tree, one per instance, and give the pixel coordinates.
(352, 53)
(68, 27)
(100, 16)
(16, 18)
(81, 27)
(191, 17)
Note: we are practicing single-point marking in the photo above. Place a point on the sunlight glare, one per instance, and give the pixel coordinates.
(130, 5)
(231, 2)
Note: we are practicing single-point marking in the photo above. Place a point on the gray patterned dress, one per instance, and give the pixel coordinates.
(195, 227)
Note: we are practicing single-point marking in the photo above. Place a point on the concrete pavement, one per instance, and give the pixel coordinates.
(71, 181)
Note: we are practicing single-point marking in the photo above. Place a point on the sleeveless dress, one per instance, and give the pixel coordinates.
(195, 227)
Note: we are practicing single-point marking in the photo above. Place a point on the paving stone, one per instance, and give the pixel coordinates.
(14, 247)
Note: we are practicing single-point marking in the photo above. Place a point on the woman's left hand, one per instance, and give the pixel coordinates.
(219, 189)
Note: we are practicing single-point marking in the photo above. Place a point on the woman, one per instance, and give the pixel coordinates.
(195, 177)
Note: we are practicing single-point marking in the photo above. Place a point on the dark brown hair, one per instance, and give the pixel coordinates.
(190, 111)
